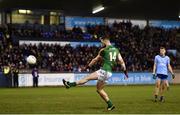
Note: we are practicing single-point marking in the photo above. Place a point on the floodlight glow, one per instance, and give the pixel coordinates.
(97, 9)
(28, 11)
(22, 11)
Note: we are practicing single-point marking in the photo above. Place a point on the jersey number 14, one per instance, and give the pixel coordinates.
(113, 56)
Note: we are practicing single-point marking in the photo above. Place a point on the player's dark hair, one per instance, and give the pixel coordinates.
(162, 47)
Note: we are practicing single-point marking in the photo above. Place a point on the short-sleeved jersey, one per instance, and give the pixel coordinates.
(162, 64)
(109, 55)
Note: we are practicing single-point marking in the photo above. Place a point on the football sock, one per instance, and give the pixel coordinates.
(162, 97)
(72, 84)
(155, 96)
(109, 103)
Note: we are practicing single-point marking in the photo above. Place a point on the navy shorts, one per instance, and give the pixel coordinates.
(162, 77)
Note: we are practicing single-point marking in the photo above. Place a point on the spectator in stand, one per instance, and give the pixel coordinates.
(138, 46)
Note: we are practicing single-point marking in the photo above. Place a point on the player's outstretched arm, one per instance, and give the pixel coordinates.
(93, 61)
(96, 59)
(121, 62)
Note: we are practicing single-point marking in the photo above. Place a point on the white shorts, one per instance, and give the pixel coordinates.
(103, 75)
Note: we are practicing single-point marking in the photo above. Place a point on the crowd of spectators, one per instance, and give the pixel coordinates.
(137, 46)
(45, 31)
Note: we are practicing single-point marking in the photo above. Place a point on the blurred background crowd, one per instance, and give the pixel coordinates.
(138, 46)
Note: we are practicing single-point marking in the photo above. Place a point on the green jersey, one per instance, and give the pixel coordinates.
(109, 55)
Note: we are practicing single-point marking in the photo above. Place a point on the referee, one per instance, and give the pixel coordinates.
(160, 73)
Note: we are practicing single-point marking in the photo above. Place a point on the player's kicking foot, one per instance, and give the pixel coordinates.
(110, 108)
(66, 83)
(168, 88)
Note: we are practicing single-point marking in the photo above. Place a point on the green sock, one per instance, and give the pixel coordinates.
(72, 84)
(109, 103)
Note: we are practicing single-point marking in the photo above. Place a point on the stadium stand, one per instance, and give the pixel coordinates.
(129, 39)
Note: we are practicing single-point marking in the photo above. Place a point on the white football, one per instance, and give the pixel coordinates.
(31, 59)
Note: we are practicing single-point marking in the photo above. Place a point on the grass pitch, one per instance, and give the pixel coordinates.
(57, 100)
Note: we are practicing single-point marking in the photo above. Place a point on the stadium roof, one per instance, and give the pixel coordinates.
(139, 9)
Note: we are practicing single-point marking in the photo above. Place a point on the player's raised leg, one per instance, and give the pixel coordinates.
(92, 76)
(100, 85)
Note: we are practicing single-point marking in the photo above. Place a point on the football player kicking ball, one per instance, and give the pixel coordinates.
(160, 71)
(110, 56)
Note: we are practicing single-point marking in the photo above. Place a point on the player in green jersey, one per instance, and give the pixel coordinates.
(111, 57)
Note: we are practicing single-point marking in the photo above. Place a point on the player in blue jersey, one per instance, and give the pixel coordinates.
(160, 73)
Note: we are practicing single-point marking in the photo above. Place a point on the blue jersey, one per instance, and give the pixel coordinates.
(162, 64)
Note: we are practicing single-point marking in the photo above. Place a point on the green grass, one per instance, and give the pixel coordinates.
(127, 99)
